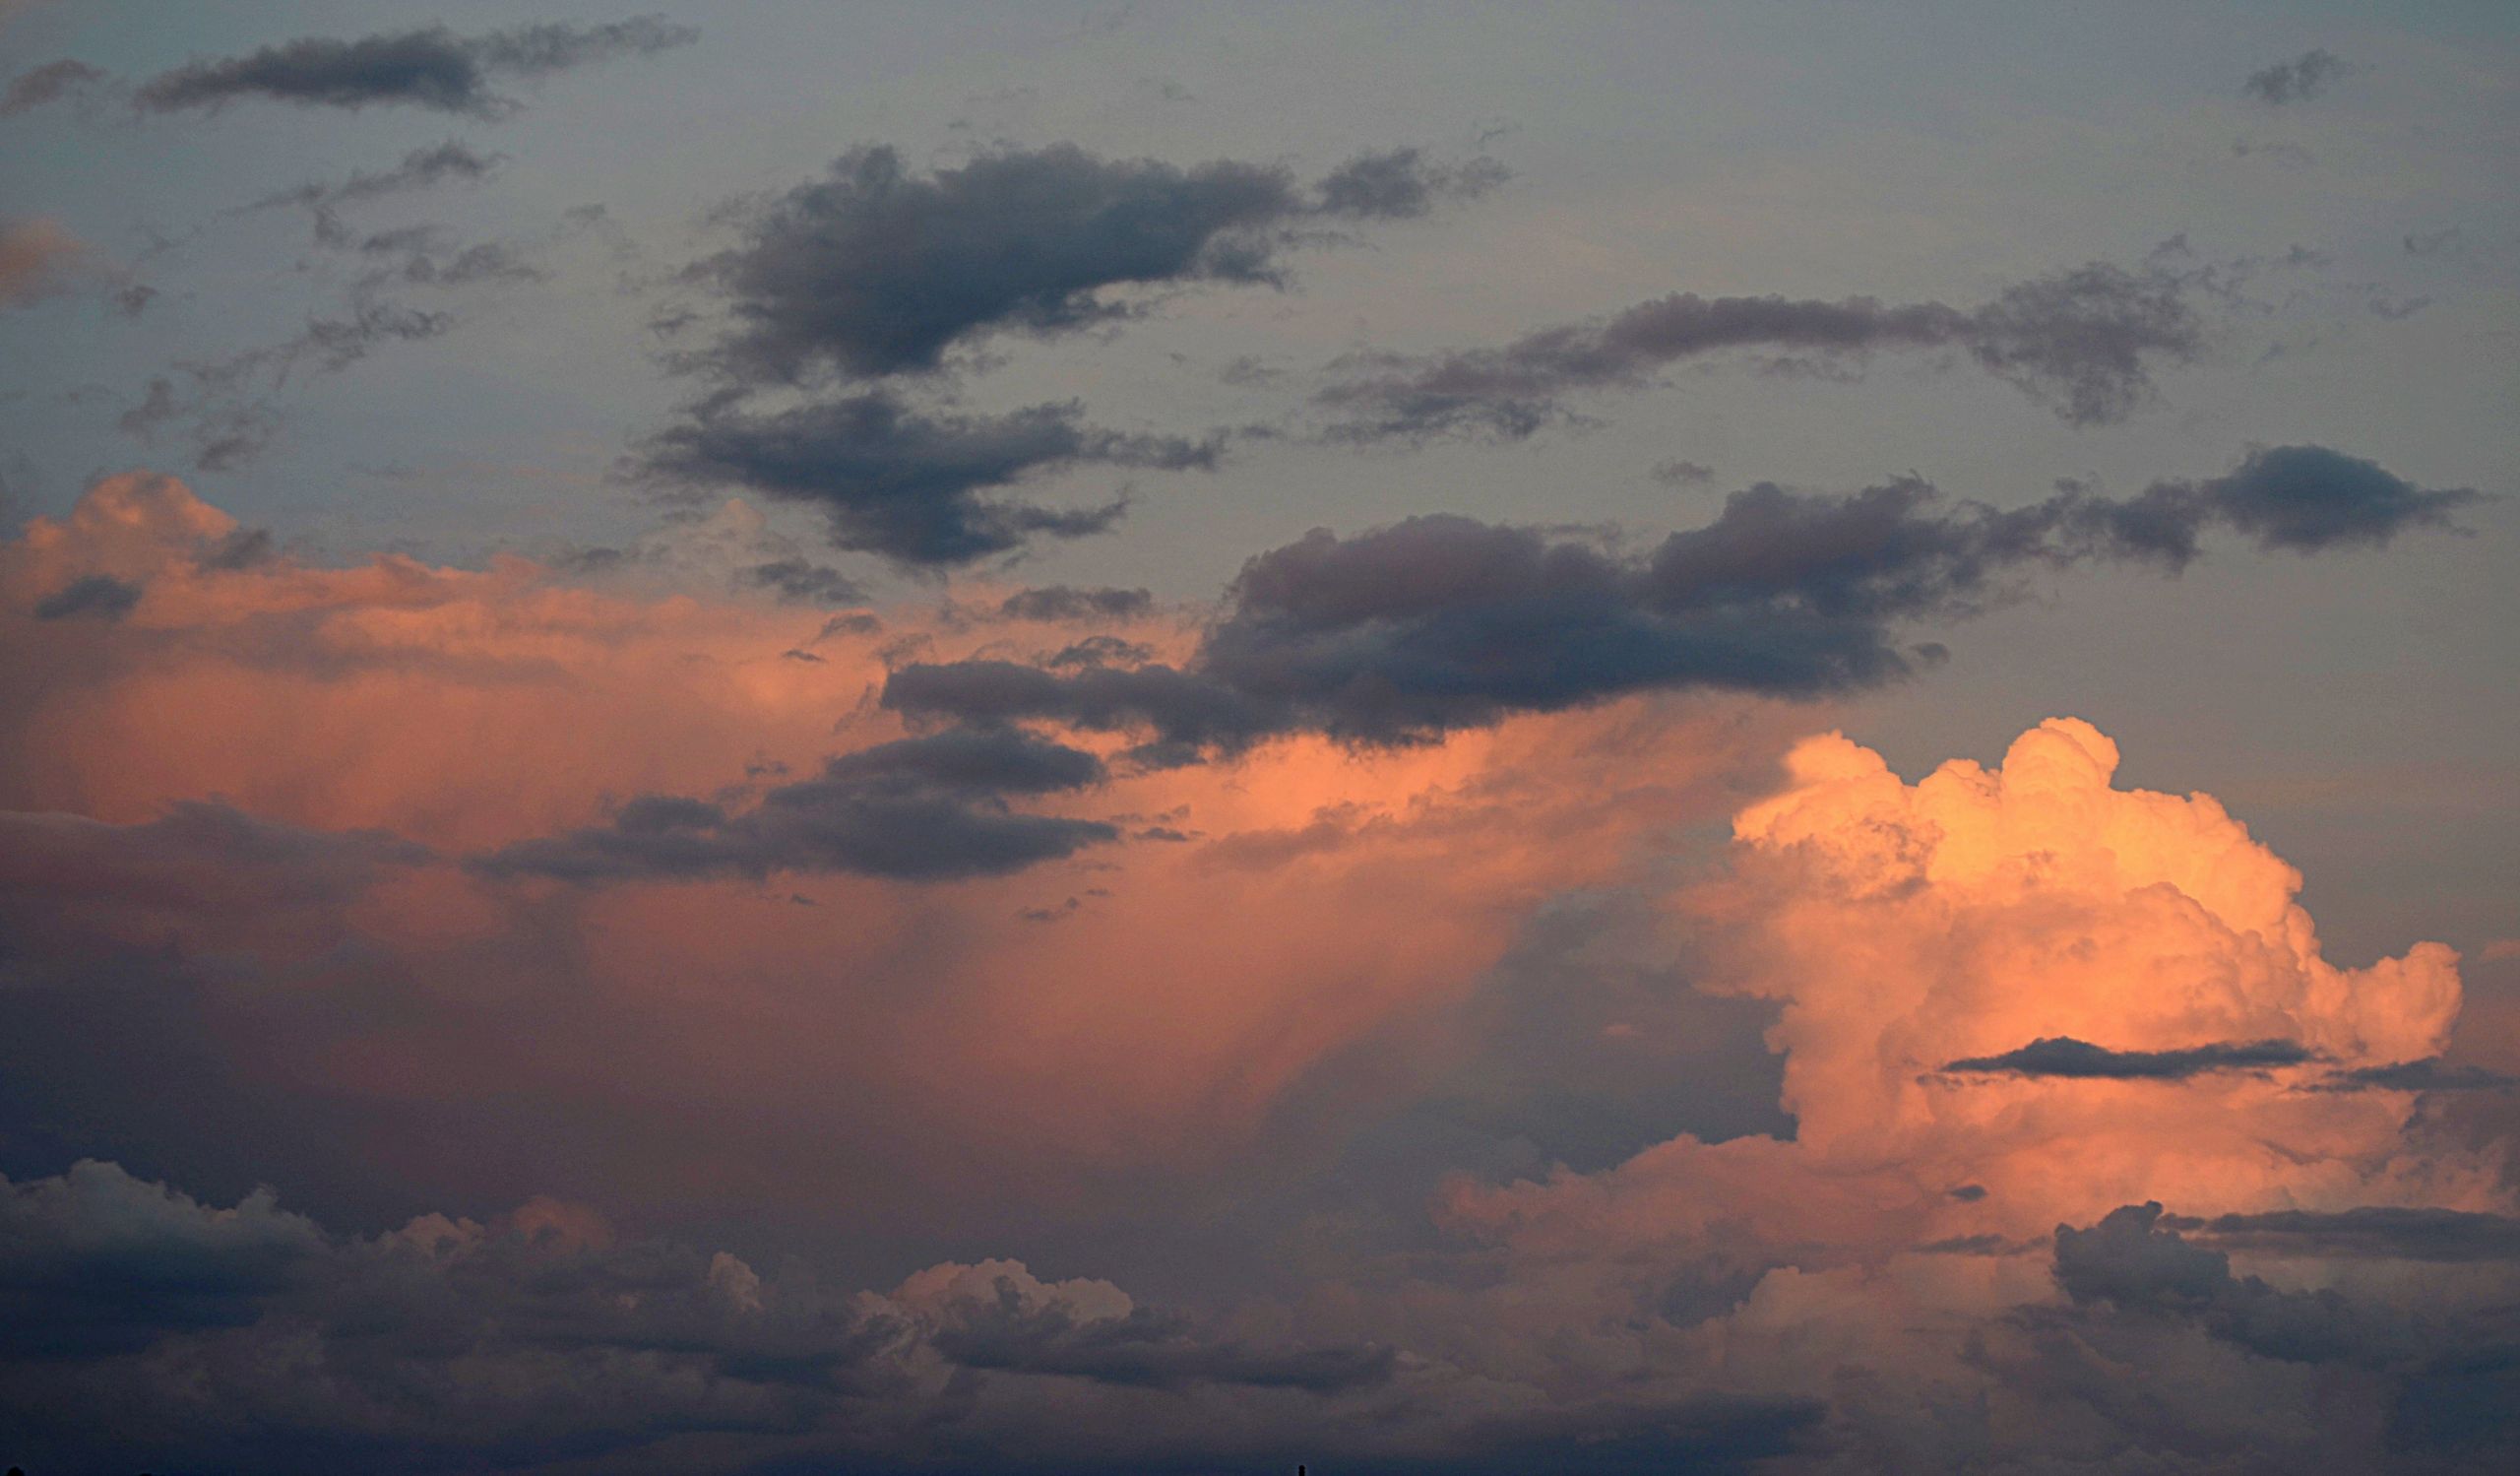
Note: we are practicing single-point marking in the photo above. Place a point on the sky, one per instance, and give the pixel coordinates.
(954, 737)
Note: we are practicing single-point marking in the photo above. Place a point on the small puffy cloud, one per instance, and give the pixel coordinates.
(2296, 80)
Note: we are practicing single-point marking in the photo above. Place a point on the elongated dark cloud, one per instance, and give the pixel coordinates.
(48, 82)
(910, 485)
(432, 68)
(874, 270)
(2428, 1075)
(2063, 1056)
(2303, 78)
(918, 810)
(2366, 1231)
(1059, 601)
(1445, 623)
(98, 596)
(2083, 342)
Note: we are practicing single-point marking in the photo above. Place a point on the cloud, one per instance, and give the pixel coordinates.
(2376, 1231)
(920, 809)
(875, 271)
(38, 258)
(2309, 499)
(98, 596)
(1401, 184)
(431, 68)
(1442, 622)
(2084, 342)
(421, 168)
(913, 485)
(2063, 1056)
(2426, 1076)
(2299, 80)
(1059, 601)
(48, 82)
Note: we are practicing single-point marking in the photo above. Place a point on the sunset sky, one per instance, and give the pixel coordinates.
(792, 737)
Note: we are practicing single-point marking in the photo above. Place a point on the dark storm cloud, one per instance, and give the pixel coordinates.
(2063, 1056)
(1445, 623)
(96, 596)
(917, 810)
(48, 84)
(432, 68)
(907, 484)
(2299, 80)
(2082, 341)
(874, 270)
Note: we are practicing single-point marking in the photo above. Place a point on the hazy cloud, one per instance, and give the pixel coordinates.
(432, 68)
(2299, 80)
(2082, 341)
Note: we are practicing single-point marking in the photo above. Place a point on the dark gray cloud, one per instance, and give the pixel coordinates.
(2445, 1378)
(48, 84)
(94, 596)
(2308, 498)
(2303, 78)
(2431, 1074)
(140, 1330)
(874, 270)
(2131, 1261)
(1402, 184)
(2063, 1056)
(925, 809)
(432, 68)
(2084, 342)
(910, 485)
(1443, 623)
(1059, 601)
(1146, 1349)
(2371, 1231)
(804, 582)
